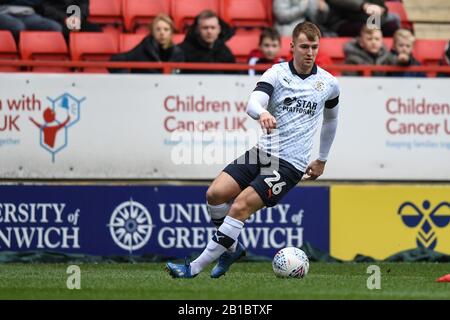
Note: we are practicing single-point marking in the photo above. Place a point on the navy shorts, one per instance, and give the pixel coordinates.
(271, 177)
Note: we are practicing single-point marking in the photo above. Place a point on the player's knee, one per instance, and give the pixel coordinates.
(214, 196)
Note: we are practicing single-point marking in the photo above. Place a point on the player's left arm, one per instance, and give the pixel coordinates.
(327, 134)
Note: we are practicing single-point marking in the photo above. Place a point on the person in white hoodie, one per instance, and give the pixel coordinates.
(288, 13)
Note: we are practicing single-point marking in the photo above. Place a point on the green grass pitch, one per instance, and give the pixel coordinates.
(247, 280)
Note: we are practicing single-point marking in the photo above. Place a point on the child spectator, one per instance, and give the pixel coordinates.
(267, 53)
(401, 54)
(368, 49)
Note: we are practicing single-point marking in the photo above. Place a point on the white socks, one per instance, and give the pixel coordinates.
(224, 238)
(218, 214)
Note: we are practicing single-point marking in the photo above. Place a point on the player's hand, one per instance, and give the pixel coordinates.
(267, 121)
(314, 170)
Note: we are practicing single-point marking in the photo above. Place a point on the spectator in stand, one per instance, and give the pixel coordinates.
(445, 61)
(367, 49)
(20, 15)
(57, 10)
(401, 54)
(157, 46)
(348, 16)
(205, 41)
(288, 13)
(267, 53)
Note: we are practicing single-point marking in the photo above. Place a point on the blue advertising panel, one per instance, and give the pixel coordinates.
(170, 221)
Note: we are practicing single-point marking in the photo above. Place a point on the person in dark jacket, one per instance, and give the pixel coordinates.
(347, 17)
(368, 48)
(157, 46)
(401, 54)
(20, 15)
(57, 10)
(205, 41)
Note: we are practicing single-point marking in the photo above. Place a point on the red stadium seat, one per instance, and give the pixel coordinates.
(44, 45)
(388, 42)
(334, 48)
(429, 52)
(93, 46)
(8, 50)
(399, 8)
(106, 12)
(178, 38)
(139, 13)
(184, 11)
(286, 51)
(246, 13)
(242, 44)
(129, 41)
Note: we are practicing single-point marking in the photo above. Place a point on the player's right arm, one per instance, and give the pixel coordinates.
(257, 109)
(259, 100)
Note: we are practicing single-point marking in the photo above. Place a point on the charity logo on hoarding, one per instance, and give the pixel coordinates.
(130, 225)
(57, 119)
(426, 218)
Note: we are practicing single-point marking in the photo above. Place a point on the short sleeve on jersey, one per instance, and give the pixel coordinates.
(267, 81)
(333, 99)
(330, 104)
(264, 87)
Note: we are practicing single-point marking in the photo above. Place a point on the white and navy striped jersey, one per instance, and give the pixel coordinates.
(297, 102)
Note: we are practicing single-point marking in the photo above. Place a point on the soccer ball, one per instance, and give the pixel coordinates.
(290, 262)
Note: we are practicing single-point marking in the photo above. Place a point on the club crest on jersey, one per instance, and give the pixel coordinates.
(319, 86)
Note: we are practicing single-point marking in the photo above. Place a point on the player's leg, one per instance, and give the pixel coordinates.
(246, 203)
(225, 236)
(234, 178)
(243, 207)
(228, 187)
(267, 189)
(220, 196)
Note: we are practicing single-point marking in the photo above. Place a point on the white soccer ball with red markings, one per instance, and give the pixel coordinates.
(290, 262)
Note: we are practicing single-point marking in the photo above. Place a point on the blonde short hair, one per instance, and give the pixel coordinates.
(165, 18)
(370, 30)
(404, 34)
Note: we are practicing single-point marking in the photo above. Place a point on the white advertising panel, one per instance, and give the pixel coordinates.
(189, 127)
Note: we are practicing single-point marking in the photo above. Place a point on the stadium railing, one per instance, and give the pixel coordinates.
(171, 67)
